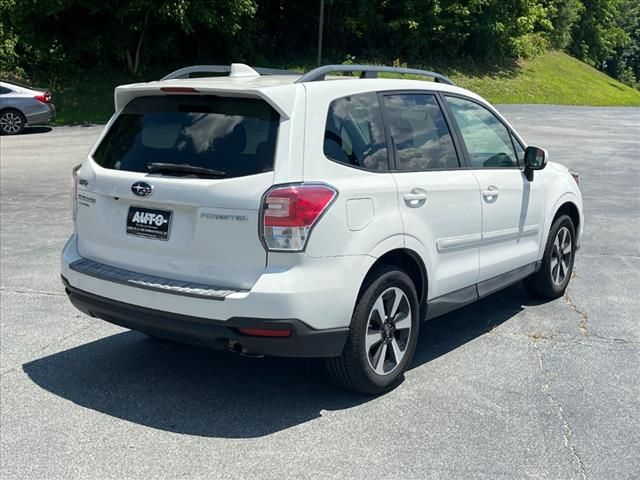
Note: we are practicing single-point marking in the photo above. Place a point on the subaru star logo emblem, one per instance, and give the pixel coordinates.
(142, 189)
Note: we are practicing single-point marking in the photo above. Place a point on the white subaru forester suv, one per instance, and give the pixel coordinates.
(309, 215)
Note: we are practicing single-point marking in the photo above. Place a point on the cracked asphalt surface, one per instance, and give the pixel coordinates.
(505, 388)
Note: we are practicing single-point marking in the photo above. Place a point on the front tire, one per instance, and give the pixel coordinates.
(383, 334)
(554, 275)
(12, 122)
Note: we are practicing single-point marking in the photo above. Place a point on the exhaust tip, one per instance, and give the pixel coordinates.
(236, 347)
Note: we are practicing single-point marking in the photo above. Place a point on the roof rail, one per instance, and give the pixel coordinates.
(235, 70)
(368, 71)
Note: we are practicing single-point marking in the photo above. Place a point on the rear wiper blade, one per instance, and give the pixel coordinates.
(158, 167)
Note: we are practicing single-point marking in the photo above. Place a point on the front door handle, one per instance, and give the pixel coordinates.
(490, 194)
(416, 198)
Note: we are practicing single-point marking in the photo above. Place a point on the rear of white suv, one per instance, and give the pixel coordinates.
(183, 231)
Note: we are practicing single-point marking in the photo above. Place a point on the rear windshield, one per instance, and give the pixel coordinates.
(236, 136)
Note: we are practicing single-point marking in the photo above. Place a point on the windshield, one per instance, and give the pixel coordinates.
(235, 136)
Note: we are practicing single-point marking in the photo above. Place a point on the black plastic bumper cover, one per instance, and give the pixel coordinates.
(303, 342)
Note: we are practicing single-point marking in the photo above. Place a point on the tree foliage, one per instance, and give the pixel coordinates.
(60, 36)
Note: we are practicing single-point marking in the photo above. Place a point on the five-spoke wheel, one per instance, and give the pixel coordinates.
(388, 331)
(382, 336)
(561, 256)
(557, 261)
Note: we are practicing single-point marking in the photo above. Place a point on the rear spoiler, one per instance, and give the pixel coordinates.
(279, 97)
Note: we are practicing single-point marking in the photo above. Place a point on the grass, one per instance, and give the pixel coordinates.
(551, 78)
(88, 99)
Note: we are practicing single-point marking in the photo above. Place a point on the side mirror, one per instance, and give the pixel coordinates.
(535, 158)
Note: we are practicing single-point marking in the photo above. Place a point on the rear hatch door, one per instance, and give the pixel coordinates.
(174, 189)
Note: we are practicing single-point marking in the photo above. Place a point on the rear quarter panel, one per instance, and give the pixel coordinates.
(365, 213)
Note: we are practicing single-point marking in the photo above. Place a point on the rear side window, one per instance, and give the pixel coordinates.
(354, 133)
(4, 90)
(420, 133)
(236, 136)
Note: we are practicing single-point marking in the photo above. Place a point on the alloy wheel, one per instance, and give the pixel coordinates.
(561, 256)
(388, 331)
(10, 122)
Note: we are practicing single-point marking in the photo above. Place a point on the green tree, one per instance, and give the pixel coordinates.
(563, 15)
(8, 39)
(84, 32)
(597, 34)
(625, 63)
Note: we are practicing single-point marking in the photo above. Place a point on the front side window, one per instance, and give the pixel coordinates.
(354, 133)
(235, 136)
(420, 133)
(487, 139)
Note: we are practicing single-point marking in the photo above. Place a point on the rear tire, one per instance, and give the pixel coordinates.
(554, 275)
(12, 122)
(383, 334)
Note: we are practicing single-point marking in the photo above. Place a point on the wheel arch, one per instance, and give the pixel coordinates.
(4, 109)
(570, 209)
(408, 261)
(569, 203)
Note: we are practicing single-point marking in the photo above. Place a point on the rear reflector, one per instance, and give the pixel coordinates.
(178, 90)
(290, 212)
(265, 332)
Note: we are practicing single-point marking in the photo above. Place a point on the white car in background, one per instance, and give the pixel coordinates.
(310, 216)
(22, 106)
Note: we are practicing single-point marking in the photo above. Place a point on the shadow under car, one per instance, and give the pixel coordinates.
(198, 391)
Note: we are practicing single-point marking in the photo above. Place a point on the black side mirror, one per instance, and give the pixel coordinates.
(535, 158)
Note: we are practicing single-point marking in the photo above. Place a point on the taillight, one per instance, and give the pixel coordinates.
(74, 190)
(290, 212)
(43, 97)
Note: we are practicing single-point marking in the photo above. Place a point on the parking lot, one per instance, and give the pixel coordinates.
(505, 388)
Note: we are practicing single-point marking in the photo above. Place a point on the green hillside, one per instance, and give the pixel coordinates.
(552, 78)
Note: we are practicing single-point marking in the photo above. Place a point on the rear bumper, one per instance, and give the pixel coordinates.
(42, 114)
(321, 292)
(304, 341)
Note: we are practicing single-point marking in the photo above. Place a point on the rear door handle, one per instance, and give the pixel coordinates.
(416, 198)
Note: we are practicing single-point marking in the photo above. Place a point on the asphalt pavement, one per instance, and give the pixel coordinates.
(505, 388)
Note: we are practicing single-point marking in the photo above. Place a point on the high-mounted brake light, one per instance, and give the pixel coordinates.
(178, 90)
(290, 212)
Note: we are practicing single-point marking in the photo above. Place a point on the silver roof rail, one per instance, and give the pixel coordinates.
(368, 71)
(187, 71)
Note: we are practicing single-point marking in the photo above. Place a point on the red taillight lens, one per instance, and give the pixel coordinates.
(44, 97)
(265, 332)
(290, 212)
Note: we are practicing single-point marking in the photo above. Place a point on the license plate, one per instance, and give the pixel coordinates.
(149, 222)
